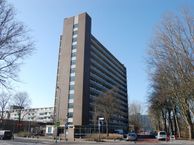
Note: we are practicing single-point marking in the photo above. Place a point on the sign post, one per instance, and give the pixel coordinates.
(100, 121)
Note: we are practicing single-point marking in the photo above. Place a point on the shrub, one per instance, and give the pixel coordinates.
(95, 137)
(22, 134)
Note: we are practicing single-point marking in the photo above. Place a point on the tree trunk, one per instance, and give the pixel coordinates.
(19, 120)
(107, 130)
(159, 126)
(170, 121)
(2, 115)
(190, 125)
(164, 119)
(95, 119)
(107, 127)
(188, 121)
(177, 128)
(190, 129)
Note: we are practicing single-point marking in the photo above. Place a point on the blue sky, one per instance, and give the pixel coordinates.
(124, 27)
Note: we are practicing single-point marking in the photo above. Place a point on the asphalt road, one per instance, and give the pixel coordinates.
(25, 141)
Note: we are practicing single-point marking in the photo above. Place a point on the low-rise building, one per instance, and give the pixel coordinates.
(43, 115)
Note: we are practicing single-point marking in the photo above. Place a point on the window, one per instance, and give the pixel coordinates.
(74, 47)
(72, 74)
(70, 119)
(49, 129)
(73, 58)
(74, 39)
(70, 114)
(72, 78)
(73, 62)
(75, 29)
(74, 43)
(71, 87)
(70, 105)
(73, 54)
(73, 66)
(75, 25)
(71, 92)
(74, 50)
(72, 70)
(75, 36)
(71, 100)
(71, 96)
(75, 32)
(72, 83)
(70, 110)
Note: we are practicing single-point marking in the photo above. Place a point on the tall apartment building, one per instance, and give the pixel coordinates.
(86, 69)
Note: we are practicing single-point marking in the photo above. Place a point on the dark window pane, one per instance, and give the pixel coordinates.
(70, 105)
(71, 87)
(73, 54)
(70, 114)
(73, 62)
(74, 32)
(75, 25)
(72, 70)
(72, 78)
(71, 96)
(74, 39)
(74, 46)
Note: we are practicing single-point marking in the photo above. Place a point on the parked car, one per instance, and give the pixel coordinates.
(6, 134)
(161, 135)
(132, 136)
(172, 136)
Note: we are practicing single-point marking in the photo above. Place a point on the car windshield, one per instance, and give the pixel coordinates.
(8, 133)
(162, 133)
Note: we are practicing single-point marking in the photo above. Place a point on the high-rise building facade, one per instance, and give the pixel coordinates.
(86, 69)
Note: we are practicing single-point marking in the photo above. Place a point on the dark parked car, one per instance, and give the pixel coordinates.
(6, 134)
(132, 136)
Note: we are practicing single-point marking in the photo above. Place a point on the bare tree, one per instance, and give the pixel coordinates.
(107, 106)
(135, 111)
(171, 63)
(95, 116)
(4, 100)
(14, 44)
(155, 117)
(163, 106)
(21, 100)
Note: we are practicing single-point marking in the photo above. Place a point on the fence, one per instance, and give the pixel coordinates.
(82, 131)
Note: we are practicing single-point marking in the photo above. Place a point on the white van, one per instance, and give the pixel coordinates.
(6, 134)
(161, 135)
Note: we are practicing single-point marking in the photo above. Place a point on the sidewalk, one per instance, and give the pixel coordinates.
(182, 142)
(83, 141)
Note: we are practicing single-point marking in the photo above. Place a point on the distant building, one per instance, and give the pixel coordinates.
(146, 123)
(42, 115)
(143, 122)
(12, 107)
(86, 69)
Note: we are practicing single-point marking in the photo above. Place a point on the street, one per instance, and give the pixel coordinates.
(26, 141)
